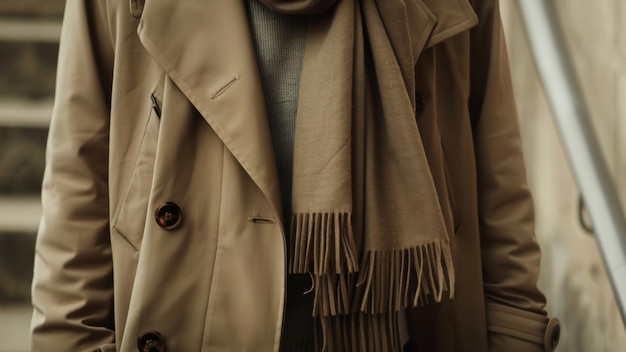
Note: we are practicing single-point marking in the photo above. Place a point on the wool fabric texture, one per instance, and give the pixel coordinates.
(366, 222)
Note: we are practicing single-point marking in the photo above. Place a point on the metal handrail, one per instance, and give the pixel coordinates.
(572, 117)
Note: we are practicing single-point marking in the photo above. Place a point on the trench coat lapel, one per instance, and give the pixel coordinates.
(205, 47)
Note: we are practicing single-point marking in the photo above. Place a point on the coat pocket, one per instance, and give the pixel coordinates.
(131, 218)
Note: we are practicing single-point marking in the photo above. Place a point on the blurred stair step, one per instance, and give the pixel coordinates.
(25, 113)
(32, 8)
(15, 327)
(30, 29)
(19, 214)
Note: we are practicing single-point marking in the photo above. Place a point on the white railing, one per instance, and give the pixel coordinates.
(572, 118)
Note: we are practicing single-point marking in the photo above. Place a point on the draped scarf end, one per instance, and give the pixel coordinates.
(358, 307)
(323, 245)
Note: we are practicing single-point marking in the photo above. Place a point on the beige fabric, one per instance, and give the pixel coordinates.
(363, 139)
(105, 271)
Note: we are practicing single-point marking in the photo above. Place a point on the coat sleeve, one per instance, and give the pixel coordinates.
(72, 288)
(515, 311)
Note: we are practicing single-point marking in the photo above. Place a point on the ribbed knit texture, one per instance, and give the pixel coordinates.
(280, 41)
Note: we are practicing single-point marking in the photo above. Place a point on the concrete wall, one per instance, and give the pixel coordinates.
(573, 274)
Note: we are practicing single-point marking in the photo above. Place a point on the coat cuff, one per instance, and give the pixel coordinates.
(512, 329)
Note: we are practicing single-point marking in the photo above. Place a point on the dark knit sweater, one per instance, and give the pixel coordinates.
(279, 41)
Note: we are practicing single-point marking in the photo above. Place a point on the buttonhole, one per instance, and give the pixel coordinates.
(155, 105)
(261, 220)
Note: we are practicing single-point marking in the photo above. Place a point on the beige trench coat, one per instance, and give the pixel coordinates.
(162, 216)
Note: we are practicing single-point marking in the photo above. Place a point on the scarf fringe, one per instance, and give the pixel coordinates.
(387, 281)
(393, 280)
(322, 240)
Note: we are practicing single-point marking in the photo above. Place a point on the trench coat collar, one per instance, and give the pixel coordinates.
(206, 48)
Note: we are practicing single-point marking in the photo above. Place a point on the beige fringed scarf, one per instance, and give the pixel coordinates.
(366, 223)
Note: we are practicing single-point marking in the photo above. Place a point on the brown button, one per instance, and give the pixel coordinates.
(552, 335)
(168, 216)
(150, 341)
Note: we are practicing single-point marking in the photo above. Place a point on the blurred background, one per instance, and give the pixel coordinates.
(573, 275)
(29, 32)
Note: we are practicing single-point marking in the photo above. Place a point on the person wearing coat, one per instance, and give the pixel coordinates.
(236, 175)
